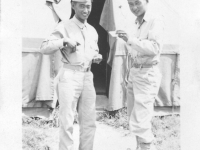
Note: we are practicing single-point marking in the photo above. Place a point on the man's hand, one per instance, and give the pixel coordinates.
(123, 35)
(97, 59)
(71, 44)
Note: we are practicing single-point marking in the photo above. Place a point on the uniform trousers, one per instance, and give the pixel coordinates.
(142, 89)
(76, 92)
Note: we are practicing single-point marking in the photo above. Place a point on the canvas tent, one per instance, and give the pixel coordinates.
(39, 19)
(39, 71)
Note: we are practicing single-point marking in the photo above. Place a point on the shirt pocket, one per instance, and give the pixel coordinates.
(143, 35)
(93, 45)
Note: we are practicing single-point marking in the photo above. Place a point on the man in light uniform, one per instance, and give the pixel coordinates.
(77, 41)
(144, 76)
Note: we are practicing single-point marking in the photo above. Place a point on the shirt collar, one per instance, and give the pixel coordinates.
(78, 23)
(147, 16)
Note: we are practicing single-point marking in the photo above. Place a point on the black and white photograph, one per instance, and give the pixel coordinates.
(99, 75)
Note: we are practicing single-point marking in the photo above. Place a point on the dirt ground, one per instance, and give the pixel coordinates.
(106, 138)
(109, 138)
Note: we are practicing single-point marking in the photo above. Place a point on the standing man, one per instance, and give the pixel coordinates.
(77, 41)
(144, 77)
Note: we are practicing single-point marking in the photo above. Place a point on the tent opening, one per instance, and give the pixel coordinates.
(100, 71)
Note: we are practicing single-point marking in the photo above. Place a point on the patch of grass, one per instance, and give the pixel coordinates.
(166, 129)
(40, 138)
(41, 134)
(116, 119)
(37, 122)
(34, 139)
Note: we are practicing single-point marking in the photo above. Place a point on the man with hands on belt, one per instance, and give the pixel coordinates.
(77, 42)
(144, 76)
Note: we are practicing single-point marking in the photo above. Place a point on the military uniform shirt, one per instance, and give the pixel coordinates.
(73, 29)
(148, 40)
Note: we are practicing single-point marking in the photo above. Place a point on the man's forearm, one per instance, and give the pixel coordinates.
(51, 46)
(153, 44)
(145, 47)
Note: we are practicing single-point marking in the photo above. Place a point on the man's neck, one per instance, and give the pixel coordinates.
(81, 20)
(140, 18)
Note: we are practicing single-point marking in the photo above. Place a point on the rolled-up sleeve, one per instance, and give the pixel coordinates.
(54, 42)
(153, 44)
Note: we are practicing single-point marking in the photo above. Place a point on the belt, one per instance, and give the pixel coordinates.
(143, 65)
(76, 68)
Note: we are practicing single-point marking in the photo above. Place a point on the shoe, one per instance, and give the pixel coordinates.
(138, 148)
(147, 146)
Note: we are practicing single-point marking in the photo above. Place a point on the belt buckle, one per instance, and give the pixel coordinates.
(138, 66)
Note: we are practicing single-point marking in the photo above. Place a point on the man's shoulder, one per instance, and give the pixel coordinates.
(91, 28)
(156, 17)
(67, 22)
(151, 15)
(61, 24)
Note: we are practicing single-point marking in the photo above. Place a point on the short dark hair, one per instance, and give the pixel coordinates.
(73, 2)
(91, 1)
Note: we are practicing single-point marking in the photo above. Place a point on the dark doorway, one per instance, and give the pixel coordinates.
(100, 70)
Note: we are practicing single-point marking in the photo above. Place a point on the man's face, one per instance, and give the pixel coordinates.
(82, 10)
(138, 7)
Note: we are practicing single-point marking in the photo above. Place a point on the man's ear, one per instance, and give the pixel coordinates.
(73, 5)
